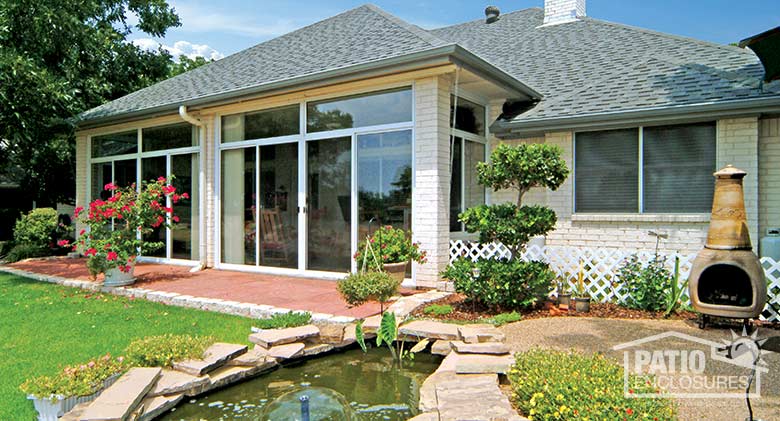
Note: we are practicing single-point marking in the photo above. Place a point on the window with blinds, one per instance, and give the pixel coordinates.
(606, 174)
(675, 167)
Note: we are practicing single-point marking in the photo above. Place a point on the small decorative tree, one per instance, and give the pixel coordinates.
(511, 282)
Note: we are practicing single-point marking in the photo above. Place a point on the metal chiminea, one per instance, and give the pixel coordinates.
(727, 279)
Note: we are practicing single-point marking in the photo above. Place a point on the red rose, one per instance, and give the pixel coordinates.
(175, 218)
(77, 211)
(185, 196)
(63, 243)
(111, 256)
(90, 251)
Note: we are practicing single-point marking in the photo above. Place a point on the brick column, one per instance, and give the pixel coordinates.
(737, 144)
(81, 175)
(431, 190)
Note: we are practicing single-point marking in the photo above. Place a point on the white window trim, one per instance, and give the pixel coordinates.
(640, 215)
(471, 137)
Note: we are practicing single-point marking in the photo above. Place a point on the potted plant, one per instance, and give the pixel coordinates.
(54, 396)
(564, 295)
(116, 228)
(389, 249)
(582, 298)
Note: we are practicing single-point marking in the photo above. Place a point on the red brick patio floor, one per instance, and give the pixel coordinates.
(314, 295)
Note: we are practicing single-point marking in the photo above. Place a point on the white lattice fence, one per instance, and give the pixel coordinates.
(600, 266)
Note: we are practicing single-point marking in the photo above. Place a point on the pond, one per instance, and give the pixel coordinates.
(349, 386)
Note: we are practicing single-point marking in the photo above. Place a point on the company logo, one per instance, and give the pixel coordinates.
(684, 366)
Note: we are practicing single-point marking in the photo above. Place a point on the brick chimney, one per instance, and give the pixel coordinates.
(561, 11)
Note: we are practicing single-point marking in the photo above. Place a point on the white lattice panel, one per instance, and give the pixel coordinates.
(601, 264)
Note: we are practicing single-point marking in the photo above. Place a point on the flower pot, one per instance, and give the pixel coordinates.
(53, 407)
(396, 271)
(116, 278)
(582, 304)
(564, 300)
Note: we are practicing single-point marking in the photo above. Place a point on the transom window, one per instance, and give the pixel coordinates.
(660, 169)
(373, 109)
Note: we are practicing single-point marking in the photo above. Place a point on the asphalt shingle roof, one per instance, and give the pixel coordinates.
(581, 68)
(591, 66)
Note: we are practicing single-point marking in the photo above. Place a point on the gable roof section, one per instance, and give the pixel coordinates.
(351, 41)
(592, 68)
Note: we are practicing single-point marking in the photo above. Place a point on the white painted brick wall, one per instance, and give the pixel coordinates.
(738, 146)
(769, 175)
(560, 11)
(432, 177)
(81, 175)
(209, 188)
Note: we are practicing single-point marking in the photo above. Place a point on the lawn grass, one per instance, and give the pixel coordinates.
(44, 327)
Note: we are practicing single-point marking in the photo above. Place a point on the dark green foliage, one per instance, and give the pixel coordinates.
(37, 228)
(26, 251)
(279, 321)
(508, 224)
(57, 59)
(358, 288)
(438, 309)
(648, 286)
(501, 284)
(185, 64)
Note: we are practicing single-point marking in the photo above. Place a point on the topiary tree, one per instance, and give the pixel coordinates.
(510, 283)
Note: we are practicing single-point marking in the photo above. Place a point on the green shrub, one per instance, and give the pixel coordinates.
(500, 283)
(37, 228)
(77, 380)
(283, 320)
(358, 288)
(555, 385)
(647, 285)
(26, 251)
(164, 350)
(438, 309)
(504, 318)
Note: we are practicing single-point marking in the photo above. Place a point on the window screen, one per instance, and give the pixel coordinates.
(607, 171)
(677, 168)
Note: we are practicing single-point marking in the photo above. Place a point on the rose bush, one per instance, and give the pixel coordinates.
(388, 245)
(116, 227)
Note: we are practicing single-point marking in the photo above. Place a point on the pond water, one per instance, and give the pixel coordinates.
(348, 386)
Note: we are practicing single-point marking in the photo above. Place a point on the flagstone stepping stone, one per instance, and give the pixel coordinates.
(287, 351)
(474, 397)
(273, 337)
(473, 334)
(430, 329)
(496, 348)
(256, 356)
(449, 380)
(371, 324)
(224, 376)
(316, 349)
(176, 382)
(153, 407)
(481, 363)
(332, 333)
(215, 356)
(120, 400)
(441, 347)
(428, 416)
(75, 413)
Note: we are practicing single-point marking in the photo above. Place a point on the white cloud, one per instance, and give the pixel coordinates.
(264, 26)
(180, 48)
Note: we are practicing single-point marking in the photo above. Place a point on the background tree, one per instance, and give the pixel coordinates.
(57, 59)
(510, 283)
(185, 64)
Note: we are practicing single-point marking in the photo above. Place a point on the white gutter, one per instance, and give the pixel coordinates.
(201, 184)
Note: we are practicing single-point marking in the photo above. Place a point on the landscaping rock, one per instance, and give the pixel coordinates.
(123, 397)
(349, 336)
(495, 348)
(472, 334)
(441, 347)
(75, 413)
(256, 356)
(473, 397)
(287, 351)
(428, 416)
(176, 382)
(228, 375)
(214, 357)
(371, 324)
(155, 406)
(429, 329)
(332, 333)
(310, 350)
(479, 364)
(449, 380)
(273, 337)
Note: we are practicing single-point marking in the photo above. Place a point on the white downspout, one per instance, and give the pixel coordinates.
(201, 185)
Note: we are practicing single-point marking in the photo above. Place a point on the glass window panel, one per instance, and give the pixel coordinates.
(238, 206)
(125, 172)
(474, 192)
(151, 169)
(456, 182)
(283, 121)
(169, 137)
(101, 175)
(470, 117)
(115, 144)
(186, 233)
(678, 165)
(279, 205)
(329, 207)
(384, 181)
(360, 111)
(607, 171)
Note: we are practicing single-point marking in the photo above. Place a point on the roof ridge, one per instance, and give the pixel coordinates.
(424, 35)
(666, 35)
(527, 9)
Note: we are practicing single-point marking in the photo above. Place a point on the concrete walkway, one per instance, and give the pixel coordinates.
(600, 335)
(301, 294)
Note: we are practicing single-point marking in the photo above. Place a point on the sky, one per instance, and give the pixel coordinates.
(215, 29)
